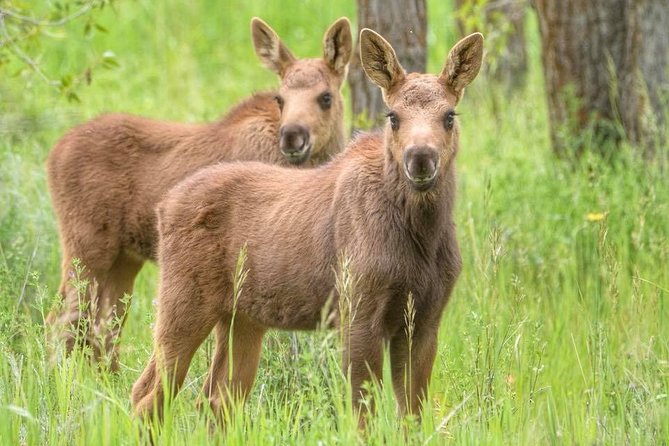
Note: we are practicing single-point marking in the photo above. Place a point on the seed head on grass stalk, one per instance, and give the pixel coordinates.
(409, 330)
(345, 285)
(238, 279)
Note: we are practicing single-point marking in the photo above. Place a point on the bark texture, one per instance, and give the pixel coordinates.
(606, 64)
(403, 23)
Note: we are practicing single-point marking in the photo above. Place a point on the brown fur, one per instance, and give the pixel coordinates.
(107, 175)
(370, 203)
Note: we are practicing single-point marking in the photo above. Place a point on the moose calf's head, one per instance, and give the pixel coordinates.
(423, 133)
(310, 94)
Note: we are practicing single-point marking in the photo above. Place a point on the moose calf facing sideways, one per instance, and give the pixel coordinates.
(386, 202)
(107, 176)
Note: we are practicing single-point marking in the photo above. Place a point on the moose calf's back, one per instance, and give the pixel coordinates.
(107, 175)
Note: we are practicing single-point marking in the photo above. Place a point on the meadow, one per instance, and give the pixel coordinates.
(558, 329)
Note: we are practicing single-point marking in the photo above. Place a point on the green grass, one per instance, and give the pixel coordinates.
(557, 332)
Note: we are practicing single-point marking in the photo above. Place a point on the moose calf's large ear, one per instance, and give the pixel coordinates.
(463, 63)
(379, 60)
(338, 46)
(269, 48)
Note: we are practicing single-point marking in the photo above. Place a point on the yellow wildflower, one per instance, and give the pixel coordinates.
(595, 216)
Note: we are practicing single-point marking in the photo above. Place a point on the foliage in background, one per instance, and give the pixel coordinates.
(24, 26)
(502, 22)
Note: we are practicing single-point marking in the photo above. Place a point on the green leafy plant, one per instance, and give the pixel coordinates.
(23, 27)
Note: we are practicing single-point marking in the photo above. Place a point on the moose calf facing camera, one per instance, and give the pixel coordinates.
(107, 175)
(386, 202)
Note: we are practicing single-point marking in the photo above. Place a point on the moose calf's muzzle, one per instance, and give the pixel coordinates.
(295, 143)
(421, 165)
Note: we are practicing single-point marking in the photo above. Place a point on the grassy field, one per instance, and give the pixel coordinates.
(558, 330)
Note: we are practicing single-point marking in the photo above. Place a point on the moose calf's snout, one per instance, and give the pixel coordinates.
(421, 165)
(294, 143)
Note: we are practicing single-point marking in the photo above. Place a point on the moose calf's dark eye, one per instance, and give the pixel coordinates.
(325, 101)
(394, 121)
(279, 101)
(449, 120)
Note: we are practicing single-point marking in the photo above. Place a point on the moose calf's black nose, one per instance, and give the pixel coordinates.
(421, 163)
(294, 138)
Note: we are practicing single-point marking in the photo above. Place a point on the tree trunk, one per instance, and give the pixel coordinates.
(403, 23)
(606, 64)
(502, 22)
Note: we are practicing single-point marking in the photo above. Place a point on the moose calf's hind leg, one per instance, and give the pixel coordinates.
(71, 322)
(179, 333)
(111, 310)
(243, 339)
(145, 383)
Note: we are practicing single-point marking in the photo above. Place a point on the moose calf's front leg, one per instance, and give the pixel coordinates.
(363, 359)
(411, 362)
